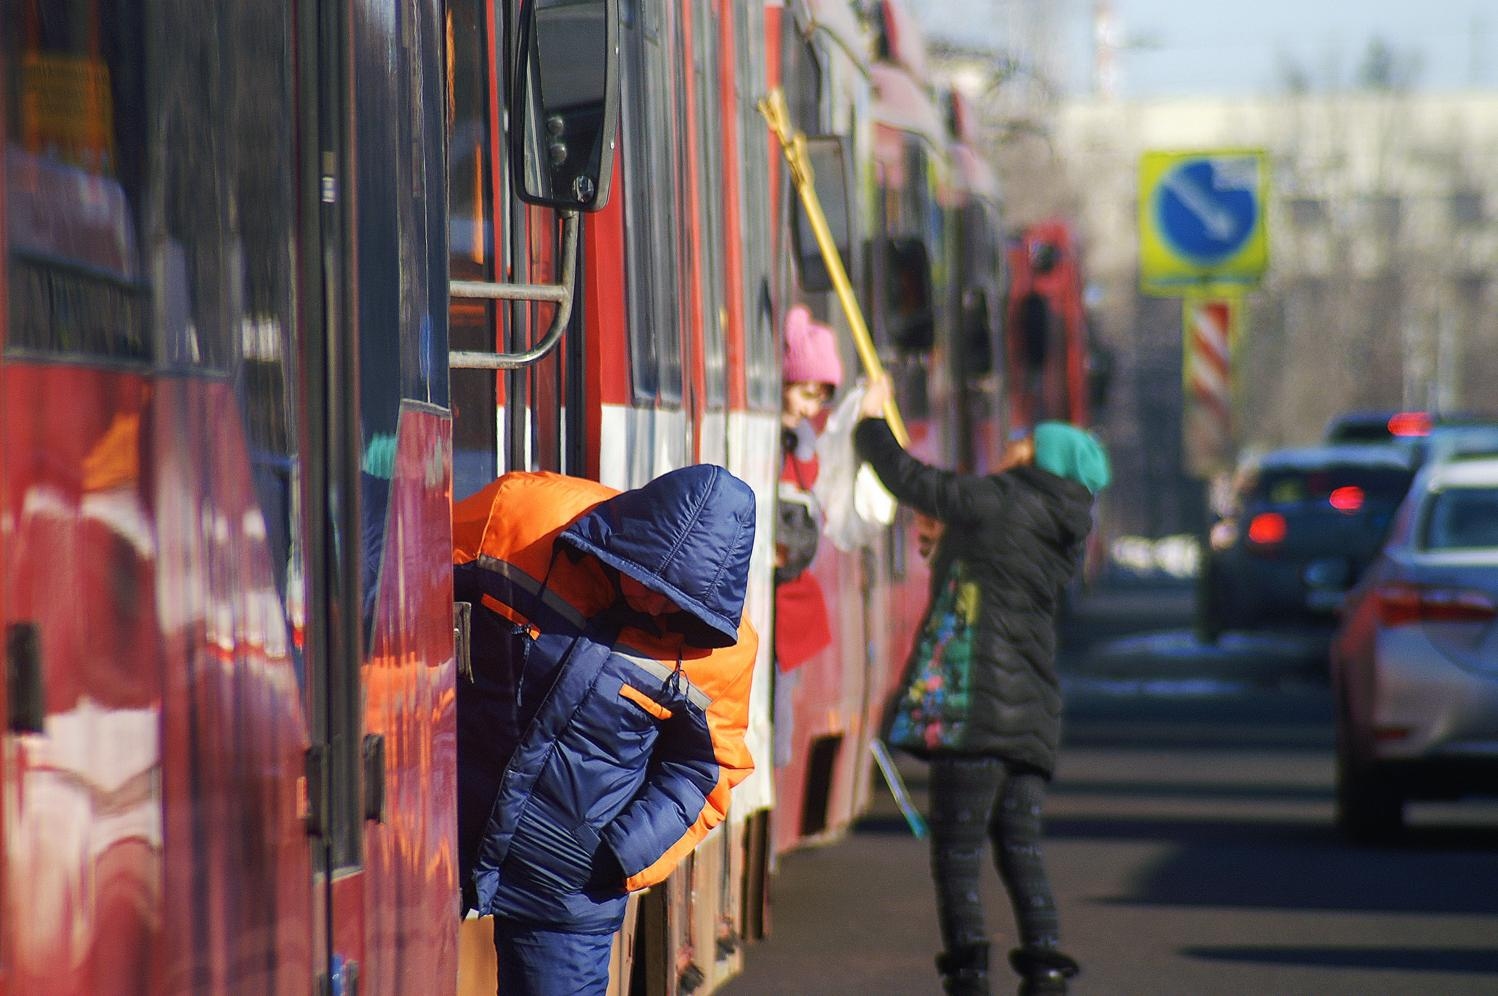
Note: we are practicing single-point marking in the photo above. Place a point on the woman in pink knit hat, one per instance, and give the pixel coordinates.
(811, 372)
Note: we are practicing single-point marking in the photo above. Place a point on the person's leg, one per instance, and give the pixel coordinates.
(535, 961)
(962, 794)
(1015, 828)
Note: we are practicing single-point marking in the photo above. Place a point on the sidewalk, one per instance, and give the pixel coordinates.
(854, 917)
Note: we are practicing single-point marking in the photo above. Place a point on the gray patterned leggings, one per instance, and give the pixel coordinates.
(974, 801)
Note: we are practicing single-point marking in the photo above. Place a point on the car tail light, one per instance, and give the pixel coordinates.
(1347, 499)
(1405, 604)
(1409, 424)
(1267, 529)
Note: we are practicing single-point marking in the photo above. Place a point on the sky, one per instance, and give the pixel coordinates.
(1171, 48)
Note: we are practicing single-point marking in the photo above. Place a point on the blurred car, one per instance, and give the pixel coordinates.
(1300, 527)
(1414, 662)
(1450, 442)
(1376, 426)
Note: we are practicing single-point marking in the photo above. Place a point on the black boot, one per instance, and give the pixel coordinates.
(964, 971)
(1043, 971)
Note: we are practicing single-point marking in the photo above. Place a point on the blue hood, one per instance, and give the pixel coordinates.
(687, 535)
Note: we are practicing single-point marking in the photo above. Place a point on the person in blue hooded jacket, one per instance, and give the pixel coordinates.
(980, 698)
(601, 729)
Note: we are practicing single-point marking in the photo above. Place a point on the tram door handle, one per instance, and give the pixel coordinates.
(25, 704)
(374, 777)
(463, 639)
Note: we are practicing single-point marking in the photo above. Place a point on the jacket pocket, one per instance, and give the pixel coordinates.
(550, 856)
(644, 701)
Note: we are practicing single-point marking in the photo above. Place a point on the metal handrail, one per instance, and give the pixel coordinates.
(560, 294)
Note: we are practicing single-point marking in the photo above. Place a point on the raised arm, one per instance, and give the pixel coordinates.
(941, 494)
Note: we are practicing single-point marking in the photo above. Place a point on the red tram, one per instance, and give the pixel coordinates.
(1050, 353)
(277, 287)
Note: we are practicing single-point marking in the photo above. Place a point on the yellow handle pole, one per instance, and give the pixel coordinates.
(794, 147)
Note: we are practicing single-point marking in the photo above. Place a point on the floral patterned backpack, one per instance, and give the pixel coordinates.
(930, 710)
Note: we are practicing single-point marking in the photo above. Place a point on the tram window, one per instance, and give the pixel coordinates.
(261, 158)
(199, 270)
(827, 156)
(803, 73)
(912, 385)
(761, 363)
(471, 247)
(75, 160)
(651, 191)
(709, 186)
(672, 210)
(685, 304)
(92, 125)
(981, 273)
(639, 248)
(977, 335)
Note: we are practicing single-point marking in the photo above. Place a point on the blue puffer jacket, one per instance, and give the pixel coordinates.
(593, 754)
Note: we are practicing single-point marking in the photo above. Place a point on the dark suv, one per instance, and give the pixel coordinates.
(1302, 525)
(1390, 426)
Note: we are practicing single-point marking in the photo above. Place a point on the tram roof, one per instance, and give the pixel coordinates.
(840, 21)
(901, 103)
(976, 176)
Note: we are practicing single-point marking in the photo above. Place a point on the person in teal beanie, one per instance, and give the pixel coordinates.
(1073, 453)
(980, 699)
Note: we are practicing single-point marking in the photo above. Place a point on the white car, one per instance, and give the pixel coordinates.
(1414, 661)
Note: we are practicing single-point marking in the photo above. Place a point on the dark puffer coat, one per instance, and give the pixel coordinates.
(1020, 534)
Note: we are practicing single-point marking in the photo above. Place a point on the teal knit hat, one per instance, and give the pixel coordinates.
(1069, 452)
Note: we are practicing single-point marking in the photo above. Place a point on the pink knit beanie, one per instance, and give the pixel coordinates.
(810, 350)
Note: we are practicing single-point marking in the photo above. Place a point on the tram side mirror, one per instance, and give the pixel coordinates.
(1034, 330)
(1099, 376)
(566, 103)
(829, 161)
(908, 295)
(977, 335)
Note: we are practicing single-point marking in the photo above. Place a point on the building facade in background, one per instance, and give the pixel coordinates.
(1380, 293)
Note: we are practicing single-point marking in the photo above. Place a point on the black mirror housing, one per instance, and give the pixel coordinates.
(977, 337)
(908, 295)
(565, 103)
(1034, 330)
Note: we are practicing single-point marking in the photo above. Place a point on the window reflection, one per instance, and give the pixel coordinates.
(150, 205)
(470, 243)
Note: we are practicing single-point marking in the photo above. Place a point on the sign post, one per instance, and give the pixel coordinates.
(1209, 323)
(1203, 238)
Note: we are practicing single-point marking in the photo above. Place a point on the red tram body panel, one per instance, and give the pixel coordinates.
(233, 419)
(1049, 346)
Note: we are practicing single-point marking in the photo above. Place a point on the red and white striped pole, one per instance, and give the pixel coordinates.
(1210, 326)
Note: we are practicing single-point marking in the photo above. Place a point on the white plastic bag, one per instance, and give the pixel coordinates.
(856, 508)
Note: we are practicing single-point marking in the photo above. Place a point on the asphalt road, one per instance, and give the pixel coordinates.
(1189, 842)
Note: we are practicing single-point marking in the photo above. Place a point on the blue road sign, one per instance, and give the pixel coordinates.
(1202, 218)
(1208, 208)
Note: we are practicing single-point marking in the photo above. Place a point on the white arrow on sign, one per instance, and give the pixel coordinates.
(1217, 221)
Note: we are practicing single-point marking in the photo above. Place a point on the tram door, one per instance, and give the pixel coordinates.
(152, 472)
